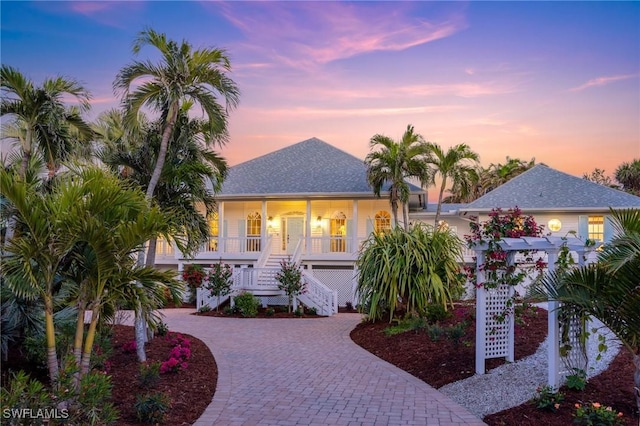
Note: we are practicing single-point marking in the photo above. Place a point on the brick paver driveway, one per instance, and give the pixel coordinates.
(308, 372)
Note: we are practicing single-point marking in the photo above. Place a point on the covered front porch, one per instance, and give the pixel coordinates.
(313, 230)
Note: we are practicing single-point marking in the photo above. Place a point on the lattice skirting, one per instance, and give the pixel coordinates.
(340, 280)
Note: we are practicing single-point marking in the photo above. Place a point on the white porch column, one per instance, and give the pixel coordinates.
(263, 226)
(307, 229)
(221, 235)
(481, 314)
(553, 329)
(354, 232)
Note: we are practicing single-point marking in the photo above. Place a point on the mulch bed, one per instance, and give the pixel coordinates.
(190, 390)
(262, 313)
(443, 362)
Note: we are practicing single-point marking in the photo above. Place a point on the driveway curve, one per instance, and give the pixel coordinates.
(308, 372)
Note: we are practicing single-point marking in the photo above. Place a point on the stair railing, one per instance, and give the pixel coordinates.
(264, 255)
(325, 299)
(297, 253)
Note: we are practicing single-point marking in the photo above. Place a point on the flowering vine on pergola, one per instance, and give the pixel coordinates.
(494, 301)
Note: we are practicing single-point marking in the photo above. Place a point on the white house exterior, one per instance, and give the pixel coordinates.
(311, 202)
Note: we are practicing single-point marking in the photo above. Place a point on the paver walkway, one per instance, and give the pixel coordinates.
(308, 372)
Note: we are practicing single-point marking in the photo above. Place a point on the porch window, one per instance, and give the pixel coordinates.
(596, 228)
(338, 229)
(254, 226)
(382, 222)
(213, 231)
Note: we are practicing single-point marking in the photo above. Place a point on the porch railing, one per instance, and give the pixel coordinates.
(250, 244)
(329, 244)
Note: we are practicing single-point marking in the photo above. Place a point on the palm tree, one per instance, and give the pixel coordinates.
(608, 290)
(46, 125)
(183, 74)
(498, 174)
(189, 167)
(80, 237)
(628, 174)
(457, 164)
(395, 162)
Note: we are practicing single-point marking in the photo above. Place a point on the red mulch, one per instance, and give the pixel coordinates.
(442, 362)
(190, 390)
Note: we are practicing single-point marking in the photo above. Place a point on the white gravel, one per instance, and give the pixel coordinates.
(515, 383)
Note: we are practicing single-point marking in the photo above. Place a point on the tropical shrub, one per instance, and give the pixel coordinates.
(149, 374)
(151, 407)
(247, 304)
(408, 269)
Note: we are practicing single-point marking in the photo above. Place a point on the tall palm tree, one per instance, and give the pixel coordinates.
(458, 164)
(628, 174)
(184, 185)
(183, 74)
(393, 163)
(47, 125)
(608, 290)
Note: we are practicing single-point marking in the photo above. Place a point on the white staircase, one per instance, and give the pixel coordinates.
(261, 281)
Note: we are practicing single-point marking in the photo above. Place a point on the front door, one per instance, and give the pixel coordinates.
(293, 230)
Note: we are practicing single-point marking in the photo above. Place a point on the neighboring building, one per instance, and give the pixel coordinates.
(311, 202)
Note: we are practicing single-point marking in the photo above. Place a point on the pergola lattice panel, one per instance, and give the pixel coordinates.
(497, 332)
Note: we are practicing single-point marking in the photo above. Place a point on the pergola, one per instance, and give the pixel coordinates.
(495, 338)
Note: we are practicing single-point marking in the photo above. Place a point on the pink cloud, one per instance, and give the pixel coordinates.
(332, 30)
(353, 112)
(603, 81)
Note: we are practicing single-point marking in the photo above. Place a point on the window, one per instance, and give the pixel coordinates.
(254, 227)
(596, 228)
(382, 222)
(338, 229)
(213, 231)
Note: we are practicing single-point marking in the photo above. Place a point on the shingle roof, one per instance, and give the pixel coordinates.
(542, 187)
(308, 167)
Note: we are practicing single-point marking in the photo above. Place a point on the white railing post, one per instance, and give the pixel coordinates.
(481, 315)
(553, 330)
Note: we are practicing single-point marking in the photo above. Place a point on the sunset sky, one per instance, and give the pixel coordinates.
(552, 80)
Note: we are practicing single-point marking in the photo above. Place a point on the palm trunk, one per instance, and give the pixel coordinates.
(140, 323)
(405, 215)
(52, 356)
(88, 343)
(77, 341)
(151, 253)
(444, 182)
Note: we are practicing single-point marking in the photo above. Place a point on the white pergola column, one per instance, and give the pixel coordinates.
(481, 314)
(553, 329)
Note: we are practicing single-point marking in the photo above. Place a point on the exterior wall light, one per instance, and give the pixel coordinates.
(554, 225)
(318, 222)
(270, 222)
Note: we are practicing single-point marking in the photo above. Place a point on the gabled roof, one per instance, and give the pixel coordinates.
(544, 188)
(311, 167)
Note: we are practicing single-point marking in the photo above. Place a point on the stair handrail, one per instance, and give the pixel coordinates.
(325, 298)
(265, 253)
(297, 253)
